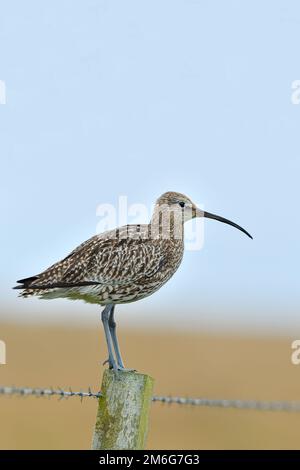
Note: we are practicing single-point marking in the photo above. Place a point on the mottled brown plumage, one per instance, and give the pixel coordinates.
(117, 266)
(122, 265)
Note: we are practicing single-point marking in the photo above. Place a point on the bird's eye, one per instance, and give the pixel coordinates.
(181, 203)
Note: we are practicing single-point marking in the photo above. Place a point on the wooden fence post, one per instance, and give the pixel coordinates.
(123, 411)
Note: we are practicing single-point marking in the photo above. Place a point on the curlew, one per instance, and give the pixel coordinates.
(122, 265)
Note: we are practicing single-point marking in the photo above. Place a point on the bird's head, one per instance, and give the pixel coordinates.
(184, 209)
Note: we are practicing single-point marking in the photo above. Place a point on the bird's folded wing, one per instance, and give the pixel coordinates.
(103, 259)
(114, 262)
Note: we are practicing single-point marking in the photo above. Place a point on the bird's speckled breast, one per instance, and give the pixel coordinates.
(150, 283)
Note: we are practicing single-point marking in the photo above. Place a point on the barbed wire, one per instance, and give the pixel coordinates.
(44, 392)
(238, 404)
(290, 406)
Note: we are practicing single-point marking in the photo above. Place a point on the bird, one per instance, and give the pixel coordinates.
(122, 265)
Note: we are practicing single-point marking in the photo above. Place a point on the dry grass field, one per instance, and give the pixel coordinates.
(182, 364)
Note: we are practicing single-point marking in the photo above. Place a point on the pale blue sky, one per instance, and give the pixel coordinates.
(136, 98)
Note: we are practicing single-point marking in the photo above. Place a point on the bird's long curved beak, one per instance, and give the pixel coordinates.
(208, 215)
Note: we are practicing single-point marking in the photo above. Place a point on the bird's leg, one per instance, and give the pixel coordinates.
(112, 327)
(105, 318)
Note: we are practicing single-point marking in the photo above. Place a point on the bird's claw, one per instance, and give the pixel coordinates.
(117, 367)
(124, 369)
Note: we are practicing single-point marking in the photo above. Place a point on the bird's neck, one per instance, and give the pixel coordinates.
(167, 224)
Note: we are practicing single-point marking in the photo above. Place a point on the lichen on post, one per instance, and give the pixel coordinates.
(123, 411)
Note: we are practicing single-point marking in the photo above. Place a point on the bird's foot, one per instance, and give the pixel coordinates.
(124, 369)
(117, 367)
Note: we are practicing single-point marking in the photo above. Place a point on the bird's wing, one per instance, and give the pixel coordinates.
(115, 262)
(103, 259)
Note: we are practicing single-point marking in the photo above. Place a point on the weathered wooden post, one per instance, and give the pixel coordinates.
(123, 411)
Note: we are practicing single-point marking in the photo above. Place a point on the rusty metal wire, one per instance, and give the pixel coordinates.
(204, 402)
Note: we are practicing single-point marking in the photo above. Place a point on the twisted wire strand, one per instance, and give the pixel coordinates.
(204, 402)
(238, 404)
(43, 392)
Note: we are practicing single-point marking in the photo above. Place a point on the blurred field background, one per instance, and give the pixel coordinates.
(188, 364)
